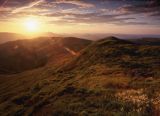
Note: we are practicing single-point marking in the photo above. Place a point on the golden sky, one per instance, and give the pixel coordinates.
(79, 16)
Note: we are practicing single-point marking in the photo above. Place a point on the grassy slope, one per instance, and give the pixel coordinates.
(122, 56)
(94, 83)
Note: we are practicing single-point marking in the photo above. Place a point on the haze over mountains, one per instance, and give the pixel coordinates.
(65, 75)
(7, 36)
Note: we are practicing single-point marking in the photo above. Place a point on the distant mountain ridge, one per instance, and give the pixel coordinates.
(146, 41)
(6, 36)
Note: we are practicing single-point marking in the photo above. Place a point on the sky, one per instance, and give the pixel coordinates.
(81, 16)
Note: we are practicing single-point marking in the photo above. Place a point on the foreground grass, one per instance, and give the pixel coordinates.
(79, 95)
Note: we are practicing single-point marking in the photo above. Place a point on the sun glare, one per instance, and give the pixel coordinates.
(32, 25)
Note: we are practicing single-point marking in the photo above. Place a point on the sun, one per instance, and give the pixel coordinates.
(32, 25)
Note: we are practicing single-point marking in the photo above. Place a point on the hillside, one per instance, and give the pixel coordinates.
(124, 57)
(28, 54)
(109, 77)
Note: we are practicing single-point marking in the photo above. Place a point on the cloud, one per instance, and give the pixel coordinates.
(123, 22)
(145, 7)
(4, 9)
(3, 2)
(79, 3)
(89, 18)
(32, 4)
(125, 12)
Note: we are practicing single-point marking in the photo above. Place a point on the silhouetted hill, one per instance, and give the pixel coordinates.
(147, 41)
(21, 55)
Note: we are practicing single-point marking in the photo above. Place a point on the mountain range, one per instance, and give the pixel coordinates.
(68, 76)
